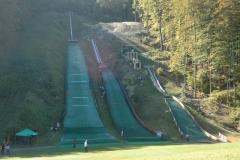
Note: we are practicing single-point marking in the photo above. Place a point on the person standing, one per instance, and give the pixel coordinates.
(90, 87)
(74, 143)
(122, 134)
(8, 149)
(2, 150)
(103, 89)
(182, 135)
(103, 94)
(86, 146)
(58, 125)
(187, 137)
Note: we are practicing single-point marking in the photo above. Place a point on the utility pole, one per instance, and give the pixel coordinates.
(147, 18)
(70, 15)
(135, 7)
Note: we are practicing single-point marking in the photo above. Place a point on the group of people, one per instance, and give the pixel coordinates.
(85, 144)
(7, 147)
(55, 128)
(186, 136)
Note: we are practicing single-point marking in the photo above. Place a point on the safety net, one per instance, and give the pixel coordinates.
(121, 113)
(184, 121)
(81, 119)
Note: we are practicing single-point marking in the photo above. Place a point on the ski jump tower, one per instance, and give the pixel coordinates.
(70, 15)
(133, 56)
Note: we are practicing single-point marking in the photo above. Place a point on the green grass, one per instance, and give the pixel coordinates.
(131, 152)
(30, 93)
(151, 107)
(172, 88)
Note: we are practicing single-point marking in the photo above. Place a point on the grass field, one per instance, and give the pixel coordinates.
(166, 152)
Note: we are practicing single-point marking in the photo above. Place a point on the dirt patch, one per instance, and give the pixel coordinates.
(107, 53)
(122, 28)
(233, 139)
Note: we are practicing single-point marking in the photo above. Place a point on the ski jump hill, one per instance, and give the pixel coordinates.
(121, 113)
(122, 116)
(81, 119)
(82, 122)
(182, 118)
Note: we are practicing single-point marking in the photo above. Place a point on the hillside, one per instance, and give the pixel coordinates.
(213, 117)
(32, 72)
(38, 60)
(32, 76)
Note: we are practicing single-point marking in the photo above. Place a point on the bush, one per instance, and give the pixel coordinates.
(160, 57)
(145, 40)
(159, 71)
(222, 97)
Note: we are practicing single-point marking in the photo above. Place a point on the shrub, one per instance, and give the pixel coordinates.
(160, 57)
(159, 71)
(145, 40)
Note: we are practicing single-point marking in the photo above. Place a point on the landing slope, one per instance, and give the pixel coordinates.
(185, 123)
(81, 120)
(121, 114)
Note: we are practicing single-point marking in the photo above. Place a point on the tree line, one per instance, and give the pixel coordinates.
(202, 39)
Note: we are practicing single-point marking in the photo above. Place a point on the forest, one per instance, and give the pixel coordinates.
(202, 39)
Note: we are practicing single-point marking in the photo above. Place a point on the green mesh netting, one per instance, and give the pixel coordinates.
(185, 123)
(81, 119)
(121, 113)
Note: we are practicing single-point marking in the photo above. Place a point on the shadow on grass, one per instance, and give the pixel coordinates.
(52, 151)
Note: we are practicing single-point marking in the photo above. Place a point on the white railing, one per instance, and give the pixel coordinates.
(156, 82)
(96, 52)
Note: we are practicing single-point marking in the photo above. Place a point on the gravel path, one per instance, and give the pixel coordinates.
(12, 150)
